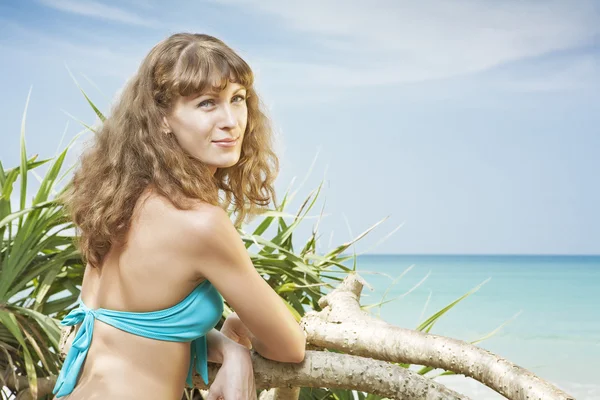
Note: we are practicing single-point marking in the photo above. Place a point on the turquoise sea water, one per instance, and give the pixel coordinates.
(556, 335)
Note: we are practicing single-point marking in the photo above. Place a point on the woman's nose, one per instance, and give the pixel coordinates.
(228, 117)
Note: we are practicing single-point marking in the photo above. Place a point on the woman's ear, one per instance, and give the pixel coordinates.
(166, 128)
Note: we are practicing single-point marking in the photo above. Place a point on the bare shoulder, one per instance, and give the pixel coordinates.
(202, 231)
(195, 221)
(205, 226)
(207, 219)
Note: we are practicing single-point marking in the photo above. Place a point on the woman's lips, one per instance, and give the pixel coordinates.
(226, 143)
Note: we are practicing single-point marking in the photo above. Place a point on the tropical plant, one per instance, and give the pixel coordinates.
(35, 248)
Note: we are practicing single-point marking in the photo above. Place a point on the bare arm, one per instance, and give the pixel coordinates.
(237, 331)
(222, 258)
(219, 345)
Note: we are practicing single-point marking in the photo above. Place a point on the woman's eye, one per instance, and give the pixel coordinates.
(211, 102)
(206, 102)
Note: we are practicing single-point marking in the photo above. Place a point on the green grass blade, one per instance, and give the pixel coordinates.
(20, 213)
(48, 324)
(60, 305)
(10, 322)
(29, 330)
(428, 324)
(492, 333)
(23, 167)
(325, 262)
(98, 113)
(2, 175)
(338, 250)
(50, 178)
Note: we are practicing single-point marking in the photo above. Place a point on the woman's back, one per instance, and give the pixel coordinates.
(149, 273)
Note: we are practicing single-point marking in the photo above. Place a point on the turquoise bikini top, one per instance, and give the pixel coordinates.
(189, 320)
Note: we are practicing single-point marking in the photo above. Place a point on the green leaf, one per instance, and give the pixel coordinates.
(428, 324)
(98, 113)
(48, 182)
(20, 213)
(10, 322)
(338, 250)
(48, 324)
(23, 167)
(60, 305)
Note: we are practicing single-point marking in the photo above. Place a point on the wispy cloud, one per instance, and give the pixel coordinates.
(404, 41)
(93, 58)
(348, 44)
(101, 11)
(575, 73)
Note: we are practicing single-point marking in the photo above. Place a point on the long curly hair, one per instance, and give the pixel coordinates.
(130, 151)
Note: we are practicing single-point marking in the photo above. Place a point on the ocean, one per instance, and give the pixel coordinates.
(552, 304)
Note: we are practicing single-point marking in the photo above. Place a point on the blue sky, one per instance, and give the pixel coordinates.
(473, 125)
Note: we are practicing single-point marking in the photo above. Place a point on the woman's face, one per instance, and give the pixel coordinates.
(211, 127)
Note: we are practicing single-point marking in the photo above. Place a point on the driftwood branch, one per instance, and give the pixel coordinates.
(343, 326)
(324, 369)
(342, 371)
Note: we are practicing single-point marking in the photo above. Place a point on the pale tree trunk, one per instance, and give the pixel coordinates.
(372, 348)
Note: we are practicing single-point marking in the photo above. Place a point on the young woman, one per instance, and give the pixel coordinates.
(186, 141)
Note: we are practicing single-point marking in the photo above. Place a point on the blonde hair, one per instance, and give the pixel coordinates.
(130, 151)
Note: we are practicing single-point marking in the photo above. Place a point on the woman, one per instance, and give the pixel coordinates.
(161, 251)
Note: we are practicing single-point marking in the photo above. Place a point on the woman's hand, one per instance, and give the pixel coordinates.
(235, 379)
(234, 329)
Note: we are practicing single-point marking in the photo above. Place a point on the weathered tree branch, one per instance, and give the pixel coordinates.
(326, 369)
(343, 371)
(343, 326)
